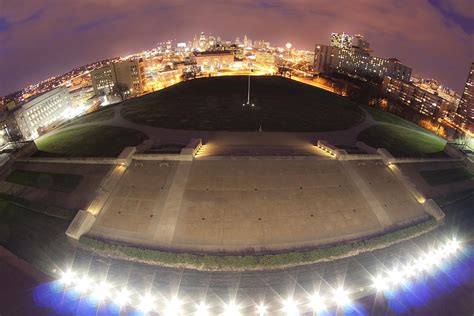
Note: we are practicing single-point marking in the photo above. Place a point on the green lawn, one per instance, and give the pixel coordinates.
(446, 176)
(216, 104)
(98, 116)
(45, 180)
(403, 142)
(387, 117)
(89, 141)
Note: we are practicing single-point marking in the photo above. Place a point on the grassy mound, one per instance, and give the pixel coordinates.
(216, 104)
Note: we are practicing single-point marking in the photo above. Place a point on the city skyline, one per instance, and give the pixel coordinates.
(117, 29)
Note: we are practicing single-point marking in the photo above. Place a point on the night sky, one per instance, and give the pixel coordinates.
(39, 39)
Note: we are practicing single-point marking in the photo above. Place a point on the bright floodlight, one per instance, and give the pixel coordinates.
(232, 309)
(409, 270)
(453, 245)
(146, 303)
(317, 303)
(101, 291)
(290, 307)
(67, 277)
(341, 297)
(261, 309)
(202, 309)
(84, 284)
(395, 277)
(173, 307)
(122, 298)
(380, 283)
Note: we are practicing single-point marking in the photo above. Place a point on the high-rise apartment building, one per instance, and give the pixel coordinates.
(424, 102)
(129, 74)
(351, 55)
(465, 114)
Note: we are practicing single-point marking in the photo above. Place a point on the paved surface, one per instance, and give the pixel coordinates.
(238, 204)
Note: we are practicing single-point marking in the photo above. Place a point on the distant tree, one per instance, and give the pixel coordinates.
(120, 89)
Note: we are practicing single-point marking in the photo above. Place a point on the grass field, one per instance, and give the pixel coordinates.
(403, 142)
(387, 117)
(98, 116)
(216, 104)
(446, 176)
(89, 141)
(45, 180)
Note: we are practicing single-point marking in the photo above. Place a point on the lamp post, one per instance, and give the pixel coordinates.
(248, 95)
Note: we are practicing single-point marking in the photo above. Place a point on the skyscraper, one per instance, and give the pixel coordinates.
(465, 113)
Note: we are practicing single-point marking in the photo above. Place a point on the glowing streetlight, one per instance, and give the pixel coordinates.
(288, 45)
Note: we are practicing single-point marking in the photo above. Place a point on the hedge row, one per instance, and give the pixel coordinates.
(49, 210)
(253, 262)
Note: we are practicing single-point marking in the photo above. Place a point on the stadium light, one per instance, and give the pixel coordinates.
(101, 291)
(122, 298)
(84, 284)
(395, 277)
(380, 283)
(67, 277)
(232, 309)
(202, 309)
(341, 297)
(290, 307)
(173, 307)
(261, 309)
(317, 303)
(147, 303)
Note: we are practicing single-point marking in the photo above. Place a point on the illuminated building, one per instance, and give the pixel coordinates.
(420, 100)
(350, 55)
(129, 73)
(214, 60)
(41, 112)
(341, 40)
(464, 116)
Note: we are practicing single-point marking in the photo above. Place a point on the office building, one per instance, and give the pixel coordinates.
(341, 40)
(42, 112)
(129, 74)
(416, 98)
(465, 113)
